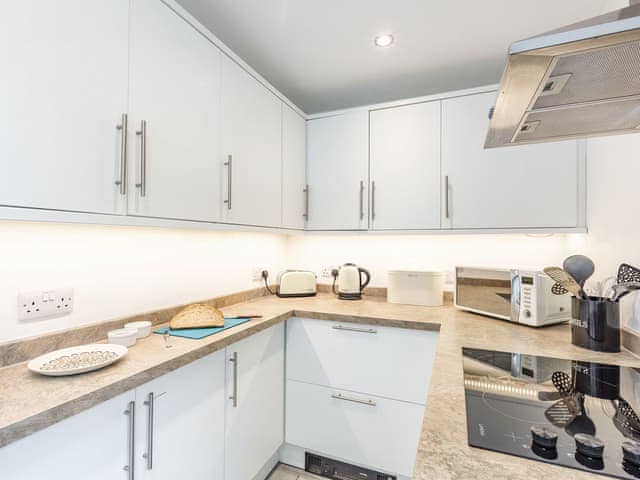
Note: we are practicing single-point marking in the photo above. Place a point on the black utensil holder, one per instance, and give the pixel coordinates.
(595, 324)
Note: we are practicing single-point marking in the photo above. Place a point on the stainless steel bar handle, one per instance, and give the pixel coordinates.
(142, 133)
(446, 196)
(306, 202)
(234, 395)
(373, 200)
(123, 127)
(339, 396)
(361, 200)
(229, 165)
(150, 417)
(355, 329)
(131, 412)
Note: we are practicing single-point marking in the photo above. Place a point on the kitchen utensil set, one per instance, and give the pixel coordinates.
(577, 269)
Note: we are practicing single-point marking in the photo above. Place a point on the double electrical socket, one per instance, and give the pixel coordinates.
(326, 271)
(256, 274)
(45, 303)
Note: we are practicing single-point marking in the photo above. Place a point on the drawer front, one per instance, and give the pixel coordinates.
(375, 432)
(384, 361)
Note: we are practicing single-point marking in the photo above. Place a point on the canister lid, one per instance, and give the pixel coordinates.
(417, 273)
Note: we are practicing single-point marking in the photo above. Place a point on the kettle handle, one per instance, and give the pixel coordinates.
(366, 274)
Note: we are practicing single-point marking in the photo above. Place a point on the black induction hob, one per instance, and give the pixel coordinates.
(575, 414)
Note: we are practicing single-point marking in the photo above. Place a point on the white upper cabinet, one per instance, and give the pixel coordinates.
(64, 90)
(294, 150)
(254, 417)
(174, 159)
(252, 149)
(405, 167)
(337, 171)
(530, 186)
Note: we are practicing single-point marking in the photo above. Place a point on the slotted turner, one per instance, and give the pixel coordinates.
(628, 273)
(565, 410)
(565, 280)
(558, 289)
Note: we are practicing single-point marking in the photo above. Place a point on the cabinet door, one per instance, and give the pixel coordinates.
(294, 151)
(337, 172)
(252, 149)
(175, 89)
(64, 84)
(405, 167)
(181, 434)
(361, 358)
(255, 413)
(92, 445)
(529, 186)
(375, 432)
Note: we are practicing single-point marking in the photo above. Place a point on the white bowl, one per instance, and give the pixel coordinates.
(143, 327)
(123, 336)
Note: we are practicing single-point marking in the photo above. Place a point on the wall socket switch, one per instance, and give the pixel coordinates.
(45, 303)
(326, 271)
(256, 275)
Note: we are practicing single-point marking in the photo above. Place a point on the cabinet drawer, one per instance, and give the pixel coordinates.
(378, 433)
(384, 361)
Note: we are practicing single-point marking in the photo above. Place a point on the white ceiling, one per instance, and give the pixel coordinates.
(320, 53)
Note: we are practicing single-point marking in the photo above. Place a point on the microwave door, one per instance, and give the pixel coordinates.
(515, 296)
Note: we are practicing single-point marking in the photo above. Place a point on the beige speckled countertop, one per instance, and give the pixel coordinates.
(29, 402)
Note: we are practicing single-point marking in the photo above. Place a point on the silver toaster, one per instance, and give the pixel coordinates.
(296, 283)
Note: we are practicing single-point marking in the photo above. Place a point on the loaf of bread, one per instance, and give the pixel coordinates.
(197, 316)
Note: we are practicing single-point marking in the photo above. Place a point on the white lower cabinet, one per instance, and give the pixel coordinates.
(361, 358)
(91, 445)
(363, 429)
(254, 417)
(180, 423)
(180, 434)
(356, 392)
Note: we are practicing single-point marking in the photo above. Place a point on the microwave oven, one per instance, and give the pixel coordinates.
(520, 296)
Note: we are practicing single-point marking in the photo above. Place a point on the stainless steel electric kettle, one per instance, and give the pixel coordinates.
(350, 282)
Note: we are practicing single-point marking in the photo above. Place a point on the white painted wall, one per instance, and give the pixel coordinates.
(380, 253)
(120, 271)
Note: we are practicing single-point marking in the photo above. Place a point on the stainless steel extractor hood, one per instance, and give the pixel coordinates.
(579, 81)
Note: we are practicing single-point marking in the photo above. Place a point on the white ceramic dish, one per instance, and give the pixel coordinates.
(74, 360)
(143, 327)
(126, 337)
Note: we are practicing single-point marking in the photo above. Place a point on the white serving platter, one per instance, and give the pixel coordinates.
(74, 360)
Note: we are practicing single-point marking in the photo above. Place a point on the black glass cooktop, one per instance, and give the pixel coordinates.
(576, 414)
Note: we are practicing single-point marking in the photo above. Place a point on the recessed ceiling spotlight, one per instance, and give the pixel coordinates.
(383, 40)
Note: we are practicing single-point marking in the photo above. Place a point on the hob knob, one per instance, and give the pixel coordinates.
(543, 437)
(588, 445)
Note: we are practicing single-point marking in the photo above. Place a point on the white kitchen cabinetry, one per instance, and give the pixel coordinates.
(361, 358)
(92, 445)
(179, 422)
(529, 186)
(254, 415)
(252, 149)
(405, 167)
(371, 431)
(174, 160)
(337, 171)
(354, 390)
(64, 85)
(294, 150)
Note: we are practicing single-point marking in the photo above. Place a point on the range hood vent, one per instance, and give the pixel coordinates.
(579, 81)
